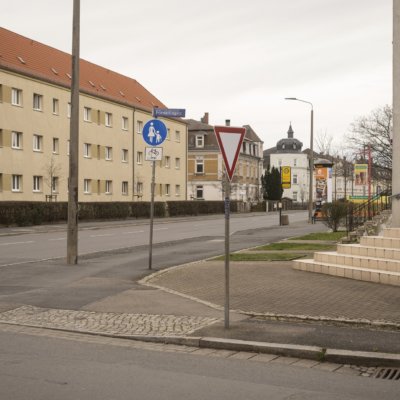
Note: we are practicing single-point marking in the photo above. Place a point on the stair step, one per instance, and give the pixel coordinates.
(379, 241)
(358, 261)
(345, 271)
(369, 251)
(391, 232)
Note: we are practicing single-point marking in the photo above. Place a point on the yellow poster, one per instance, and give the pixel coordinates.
(286, 177)
(360, 174)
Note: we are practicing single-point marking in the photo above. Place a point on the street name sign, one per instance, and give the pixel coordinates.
(169, 112)
(230, 141)
(154, 132)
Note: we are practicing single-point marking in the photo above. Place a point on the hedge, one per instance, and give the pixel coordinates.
(35, 213)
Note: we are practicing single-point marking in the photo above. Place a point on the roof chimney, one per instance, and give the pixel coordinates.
(204, 119)
(227, 122)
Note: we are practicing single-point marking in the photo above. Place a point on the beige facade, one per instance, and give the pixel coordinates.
(34, 146)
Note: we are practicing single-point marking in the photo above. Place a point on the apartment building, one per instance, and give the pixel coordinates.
(35, 82)
(206, 167)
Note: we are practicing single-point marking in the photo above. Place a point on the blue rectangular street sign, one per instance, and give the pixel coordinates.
(169, 112)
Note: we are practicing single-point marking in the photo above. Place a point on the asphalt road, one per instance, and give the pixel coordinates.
(43, 368)
(30, 245)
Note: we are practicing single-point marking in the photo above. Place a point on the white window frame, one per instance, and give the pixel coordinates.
(108, 187)
(87, 186)
(37, 102)
(139, 188)
(139, 157)
(56, 106)
(124, 154)
(139, 127)
(54, 184)
(37, 142)
(108, 119)
(68, 147)
(16, 97)
(108, 153)
(69, 110)
(177, 163)
(199, 188)
(16, 183)
(200, 141)
(167, 189)
(56, 145)
(295, 162)
(87, 150)
(177, 190)
(37, 183)
(16, 140)
(87, 114)
(167, 161)
(177, 136)
(294, 196)
(125, 188)
(199, 162)
(295, 179)
(125, 123)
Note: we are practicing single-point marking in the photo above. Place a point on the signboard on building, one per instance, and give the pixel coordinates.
(360, 174)
(286, 177)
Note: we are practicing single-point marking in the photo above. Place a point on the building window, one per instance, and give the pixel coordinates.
(177, 136)
(294, 179)
(54, 184)
(55, 106)
(69, 110)
(199, 192)
(177, 190)
(160, 188)
(139, 157)
(87, 183)
(295, 162)
(139, 126)
(199, 166)
(167, 189)
(87, 150)
(200, 141)
(37, 183)
(16, 183)
(87, 114)
(177, 163)
(294, 196)
(108, 153)
(125, 188)
(279, 162)
(37, 142)
(16, 140)
(125, 124)
(167, 161)
(16, 97)
(168, 134)
(139, 188)
(37, 102)
(124, 155)
(55, 145)
(108, 187)
(108, 119)
(68, 147)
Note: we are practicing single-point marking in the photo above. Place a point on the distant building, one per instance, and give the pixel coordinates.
(35, 82)
(206, 167)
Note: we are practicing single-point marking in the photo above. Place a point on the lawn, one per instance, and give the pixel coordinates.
(297, 246)
(322, 236)
(261, 257)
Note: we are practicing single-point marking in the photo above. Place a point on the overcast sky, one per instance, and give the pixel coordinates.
(235, 59)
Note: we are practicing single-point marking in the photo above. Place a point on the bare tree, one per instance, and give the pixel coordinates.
(323, 142)
(52, 171)
(375, 130)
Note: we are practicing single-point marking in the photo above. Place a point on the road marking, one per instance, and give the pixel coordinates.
(129, 233)
(105, 234)
(8, 244)
(63, 238)
(161, 229)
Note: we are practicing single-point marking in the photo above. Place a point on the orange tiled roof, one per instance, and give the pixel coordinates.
(28, 57)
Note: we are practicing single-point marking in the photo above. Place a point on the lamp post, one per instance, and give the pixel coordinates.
(310, 193)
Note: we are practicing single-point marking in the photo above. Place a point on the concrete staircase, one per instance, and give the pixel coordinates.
(374, 259)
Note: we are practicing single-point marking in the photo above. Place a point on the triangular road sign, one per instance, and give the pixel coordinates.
(230, 141)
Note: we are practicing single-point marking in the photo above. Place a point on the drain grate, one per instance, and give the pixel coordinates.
(392, 374)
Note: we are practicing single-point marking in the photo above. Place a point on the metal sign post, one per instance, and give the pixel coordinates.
(230, 141)
(153, 183)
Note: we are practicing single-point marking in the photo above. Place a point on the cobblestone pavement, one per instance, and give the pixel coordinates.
(275, 288)
(121, 324)
(241, 356)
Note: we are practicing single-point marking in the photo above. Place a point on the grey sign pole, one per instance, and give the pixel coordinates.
(153, 179)
(227, 229)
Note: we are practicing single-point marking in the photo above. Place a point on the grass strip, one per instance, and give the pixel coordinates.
(322, 236)
(261, 257)
(297, 246)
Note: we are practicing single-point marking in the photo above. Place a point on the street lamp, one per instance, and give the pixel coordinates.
(310, 194)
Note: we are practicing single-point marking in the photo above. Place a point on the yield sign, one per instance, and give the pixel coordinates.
(230, 141)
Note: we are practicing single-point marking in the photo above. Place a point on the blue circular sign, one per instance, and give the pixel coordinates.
(154, 132)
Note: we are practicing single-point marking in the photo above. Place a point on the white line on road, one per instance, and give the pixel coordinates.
(129, 233)
(105, 234)
(161, 229)
(8, 244)
(63, 238)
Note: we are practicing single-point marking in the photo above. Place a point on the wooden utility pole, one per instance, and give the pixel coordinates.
(73, 180)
